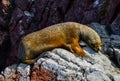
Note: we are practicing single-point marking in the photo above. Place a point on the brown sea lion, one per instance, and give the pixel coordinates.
(65, 35)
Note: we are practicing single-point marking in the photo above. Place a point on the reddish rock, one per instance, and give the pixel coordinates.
(2, 78)
(40, 74)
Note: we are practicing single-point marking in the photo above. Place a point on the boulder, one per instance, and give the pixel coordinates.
(65, 66)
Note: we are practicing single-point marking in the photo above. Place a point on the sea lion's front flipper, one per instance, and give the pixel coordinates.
(78, 50)
(74, 47)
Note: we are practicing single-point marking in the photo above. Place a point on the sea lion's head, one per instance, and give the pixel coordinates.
(95, 44)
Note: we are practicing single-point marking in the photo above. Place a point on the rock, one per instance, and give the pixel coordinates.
(115, 25)
(113, 11)
(22, 72)
(39, 74)
(117, 55)
(17, 30)
(115, 28)
(2, 37)
(68, 66)
(100, 76)
(116, 77)
(4, 48)
(117, 20)
(9, 74)
(115, 40)
(2, 21)
(2, 78)
(62, 65)
(112, 48)
(22, 4)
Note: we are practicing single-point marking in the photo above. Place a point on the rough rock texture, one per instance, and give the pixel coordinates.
(4, 36)
(4, 48)
(23, 72)
(72, 68)
(61, 65)
(1, 15)
(40, 74)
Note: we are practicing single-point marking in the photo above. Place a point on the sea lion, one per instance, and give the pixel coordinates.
(65, 35)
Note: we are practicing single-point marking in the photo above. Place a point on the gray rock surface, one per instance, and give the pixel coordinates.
(71, 67)
(16, 73)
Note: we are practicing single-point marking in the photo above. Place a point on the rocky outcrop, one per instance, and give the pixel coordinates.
(61, 65)
(23, 72)
(4, 48)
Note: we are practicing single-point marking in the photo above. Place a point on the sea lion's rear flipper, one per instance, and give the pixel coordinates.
(29, 61)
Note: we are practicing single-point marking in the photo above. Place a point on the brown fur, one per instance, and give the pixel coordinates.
(65, 35)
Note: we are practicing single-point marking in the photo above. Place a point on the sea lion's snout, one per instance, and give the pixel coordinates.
(98, 49)
(96, 46)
